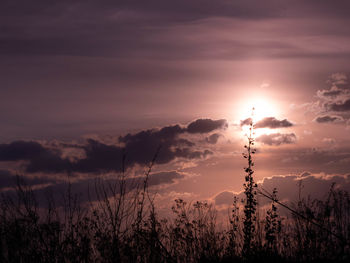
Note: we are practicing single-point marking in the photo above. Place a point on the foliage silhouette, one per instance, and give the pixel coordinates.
(250, 196)
(123, 225)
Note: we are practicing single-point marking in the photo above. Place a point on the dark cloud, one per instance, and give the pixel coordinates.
(189, 154)
(89, 189)
(50, 163)
(328, 118)
(206, 125)
(139, 148)
(118, 28)
(10, 180)
(111, 27)
(268, 122)
(213, 139)
(247, 121)
(164, 177)
(333, 92)
(142, 146)
(277, 139)
(7, 179)
(40, 158)
(21, 150)
(99, 157)
(185, 142)
(273, 123)
(340, 106)
(336, 98)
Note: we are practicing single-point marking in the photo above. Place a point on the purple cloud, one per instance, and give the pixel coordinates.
(206, 125)
(328, 119)
(273, 123)
(340, 106)
(314, 185)
(247, 122)
(139, 148)
(213, 139)
(276, 139)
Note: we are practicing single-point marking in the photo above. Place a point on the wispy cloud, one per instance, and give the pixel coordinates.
(276, 139)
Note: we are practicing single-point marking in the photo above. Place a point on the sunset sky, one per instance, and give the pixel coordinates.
(83, 82)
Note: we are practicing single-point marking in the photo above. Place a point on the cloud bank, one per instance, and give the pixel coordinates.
(139, 148)
(334, 102)
(314, 185)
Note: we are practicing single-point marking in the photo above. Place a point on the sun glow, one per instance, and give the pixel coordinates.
(262, 108)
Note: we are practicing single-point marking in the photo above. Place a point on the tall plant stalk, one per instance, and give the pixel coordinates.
(250, 195)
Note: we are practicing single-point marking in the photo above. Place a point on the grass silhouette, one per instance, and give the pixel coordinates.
(123, 225)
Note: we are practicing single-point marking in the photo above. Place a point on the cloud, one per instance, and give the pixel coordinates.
(213, 139)
(329, 140)
(188, 154)
(206, 125)
(273, 123)
(333, 104)
(139, 148)
(117, 25)
(328, 118)
(7, 179)
(335, 99)
(277, 139)
(100, 157)
(167, 177)
(224, 198)
(86, 188)
(40, 158)
(268, 122)
(315, 160)
(144, 38)
(338, 78)
(330, 93)
(142, 146)
(247, 121)
(21, 150)
(339, 106)
(313, 185)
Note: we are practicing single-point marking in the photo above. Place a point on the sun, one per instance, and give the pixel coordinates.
(263, 107)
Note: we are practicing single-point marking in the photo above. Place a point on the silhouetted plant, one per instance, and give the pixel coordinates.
(233, 248)
(273, 225)
(250, 196)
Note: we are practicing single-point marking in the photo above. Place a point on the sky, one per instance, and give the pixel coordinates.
(84, 83)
